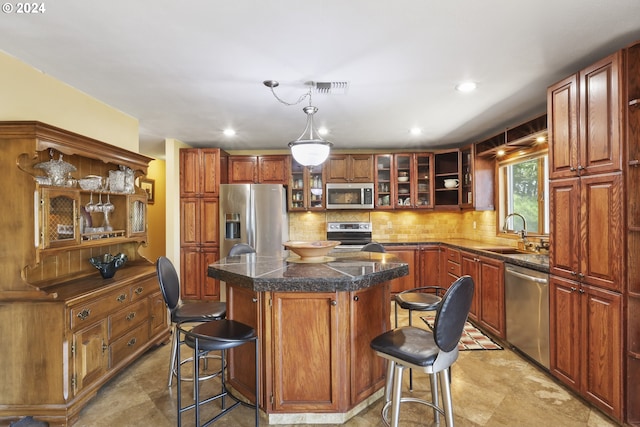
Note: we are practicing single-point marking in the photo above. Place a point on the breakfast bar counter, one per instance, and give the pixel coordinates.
(315, 321)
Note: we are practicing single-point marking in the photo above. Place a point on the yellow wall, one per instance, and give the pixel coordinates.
(156, 244)
(29, 94)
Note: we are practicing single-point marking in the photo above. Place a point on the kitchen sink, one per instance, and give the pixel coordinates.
(505, 250)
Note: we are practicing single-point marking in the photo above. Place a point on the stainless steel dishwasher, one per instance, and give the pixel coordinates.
(527, 311)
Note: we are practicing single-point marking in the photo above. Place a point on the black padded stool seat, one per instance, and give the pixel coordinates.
(198, 311)
(217, 336)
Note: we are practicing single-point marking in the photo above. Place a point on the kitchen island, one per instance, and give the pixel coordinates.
(315, 322)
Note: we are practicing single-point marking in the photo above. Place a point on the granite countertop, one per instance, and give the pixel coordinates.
(534, 260)
(346, 271)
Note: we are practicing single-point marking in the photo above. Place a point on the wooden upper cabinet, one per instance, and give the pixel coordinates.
(202, 170)
(243, 169)
(584, 121)
(600, 141)
(562, 103)
(350, 168)
(271, 169)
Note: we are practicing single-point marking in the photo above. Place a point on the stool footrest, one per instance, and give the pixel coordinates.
(385, 408)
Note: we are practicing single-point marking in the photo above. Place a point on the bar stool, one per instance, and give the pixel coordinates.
(416, 299)
(180, 313)
(217, 336)
(241, 248)
(432, 352)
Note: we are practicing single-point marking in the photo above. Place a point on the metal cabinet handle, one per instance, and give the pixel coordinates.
(131, 315)
(84, 314)
(334, 302)
(254, 300)
(139, 290)
(121, 298)
(132, 341)
(356, 298)
(573, 289)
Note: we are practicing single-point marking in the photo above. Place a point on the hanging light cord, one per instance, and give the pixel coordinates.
(302, 97)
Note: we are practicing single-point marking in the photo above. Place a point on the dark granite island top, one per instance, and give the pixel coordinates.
(347, 271)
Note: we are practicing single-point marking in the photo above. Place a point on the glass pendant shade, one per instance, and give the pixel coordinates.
(310, 149)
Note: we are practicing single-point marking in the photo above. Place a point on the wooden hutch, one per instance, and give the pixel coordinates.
(65, 330)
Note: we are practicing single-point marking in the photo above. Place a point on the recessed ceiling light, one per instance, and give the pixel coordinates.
(541, 139)
(500, 152)
(466, 86)
(229, 132)
(415, 131)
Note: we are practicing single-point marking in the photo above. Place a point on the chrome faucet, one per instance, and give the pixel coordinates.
(523, 232)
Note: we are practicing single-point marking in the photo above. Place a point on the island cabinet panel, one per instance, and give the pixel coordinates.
(369, 318)
(246, 306)
(307, 375)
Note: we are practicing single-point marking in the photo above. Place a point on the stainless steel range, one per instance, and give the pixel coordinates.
(353, 235)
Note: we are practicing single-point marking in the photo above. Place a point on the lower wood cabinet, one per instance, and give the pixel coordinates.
(409, 255)
(194, 281)
(487, 306)
(430, 260)
(586, 342)
(64, 348)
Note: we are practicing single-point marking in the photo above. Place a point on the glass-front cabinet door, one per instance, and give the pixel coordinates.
(423, 189)
(306, 188)
(385, 181)
(404, 181)
(137, 215)
(58, 218)
(466, 181)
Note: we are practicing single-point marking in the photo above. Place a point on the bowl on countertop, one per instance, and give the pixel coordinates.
(107, 264)
(311, 250)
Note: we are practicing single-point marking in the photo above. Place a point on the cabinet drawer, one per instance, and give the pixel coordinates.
(144, 289)
(130, 343)
(453, 255)
(127, 318)
(93, 310)
(454, 268)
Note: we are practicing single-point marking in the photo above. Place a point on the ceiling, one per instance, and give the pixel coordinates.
(188, 70)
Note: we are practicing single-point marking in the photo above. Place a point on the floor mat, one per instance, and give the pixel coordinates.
(472, 338)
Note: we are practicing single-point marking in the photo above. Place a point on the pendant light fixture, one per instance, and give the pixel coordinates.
(310, 149)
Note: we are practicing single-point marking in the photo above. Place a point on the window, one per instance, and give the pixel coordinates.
(523, 184)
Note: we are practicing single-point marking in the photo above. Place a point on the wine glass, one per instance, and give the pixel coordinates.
(99, 206)
(90, 207)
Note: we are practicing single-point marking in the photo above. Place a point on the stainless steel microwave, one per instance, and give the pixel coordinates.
(350, 196)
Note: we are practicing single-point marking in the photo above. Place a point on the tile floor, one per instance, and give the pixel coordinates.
(490, 388)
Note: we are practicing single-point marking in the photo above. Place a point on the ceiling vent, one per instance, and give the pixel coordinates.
(330, 88)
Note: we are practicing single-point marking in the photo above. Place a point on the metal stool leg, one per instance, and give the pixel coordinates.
(174, 357)
(410, 370)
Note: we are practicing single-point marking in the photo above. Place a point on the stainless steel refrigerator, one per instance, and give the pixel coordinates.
(255, 214)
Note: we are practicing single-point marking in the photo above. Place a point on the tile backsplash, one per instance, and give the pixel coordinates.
(402, 225)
